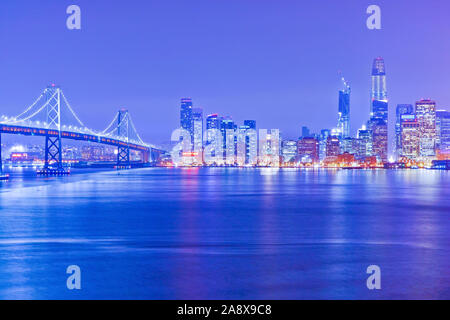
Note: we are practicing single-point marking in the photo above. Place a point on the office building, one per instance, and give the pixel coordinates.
(364, 143)
(289, 151)
(403, 112)
(426, 117)
(308, 150)
(333, 146)
(410, 139)
(323, 138)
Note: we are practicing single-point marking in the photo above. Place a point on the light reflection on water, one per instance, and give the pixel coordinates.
(226, 234)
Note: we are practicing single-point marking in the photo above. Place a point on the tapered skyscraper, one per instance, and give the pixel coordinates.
(378, 123)
(379, 89)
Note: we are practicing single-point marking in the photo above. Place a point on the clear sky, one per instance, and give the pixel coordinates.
(274, 61)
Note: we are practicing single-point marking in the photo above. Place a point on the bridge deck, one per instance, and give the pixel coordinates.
(30, 131)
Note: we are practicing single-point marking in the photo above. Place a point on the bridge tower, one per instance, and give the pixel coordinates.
(53, 145)
(123, 131)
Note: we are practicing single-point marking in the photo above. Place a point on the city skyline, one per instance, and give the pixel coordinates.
(421, 135)
(224, 152)
(421, 132)
(279, 83)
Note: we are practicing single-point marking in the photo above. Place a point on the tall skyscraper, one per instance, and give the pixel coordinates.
(212, 122)
(227, 125)
(323, 138)
(251, 149)
(403, 112)
(378, 123)
(426, 117)
(379, 88)
(186, 119)
(344, 110)
(197, 116)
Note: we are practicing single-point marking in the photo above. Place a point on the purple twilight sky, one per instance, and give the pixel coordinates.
(273, 61)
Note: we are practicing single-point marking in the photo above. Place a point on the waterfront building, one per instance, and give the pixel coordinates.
(212, 122)
(410, 139)
(308, 150)
(289, 151)
(364, 143)
(228, 128)
(251, 144)
(344, 110)
(426, 117)
(349, 145)
(346, 160)
(403, 111)
(323, 138)
(333, 146)
(269, 147)
(246, 146)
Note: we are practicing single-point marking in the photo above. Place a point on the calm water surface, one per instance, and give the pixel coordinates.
(226, 234)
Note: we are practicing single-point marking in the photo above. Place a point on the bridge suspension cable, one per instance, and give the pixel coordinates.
(110, 125)
(39, 110)
(71, 110)
(30, 107)
(50, 109)
(135, 131)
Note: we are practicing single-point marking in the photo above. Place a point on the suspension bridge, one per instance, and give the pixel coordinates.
(52, 117)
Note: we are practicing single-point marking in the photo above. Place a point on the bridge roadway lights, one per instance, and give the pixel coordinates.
(53, 172)
(122, 167)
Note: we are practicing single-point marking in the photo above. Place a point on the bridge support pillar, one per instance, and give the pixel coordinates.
(123, 131)
(53, 148)
(53, 157)
(123, 157)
